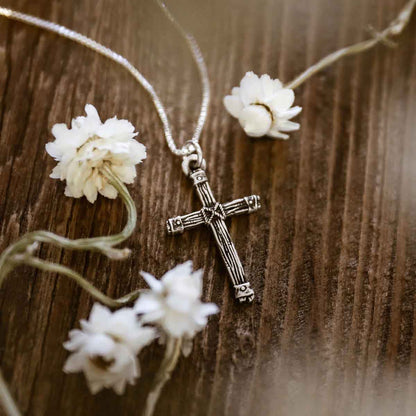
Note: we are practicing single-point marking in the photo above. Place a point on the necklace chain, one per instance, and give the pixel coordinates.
(186, 149)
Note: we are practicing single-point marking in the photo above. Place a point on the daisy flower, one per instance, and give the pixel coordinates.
(174, 303)
(82, 150)
(263, 106)
(105, 348)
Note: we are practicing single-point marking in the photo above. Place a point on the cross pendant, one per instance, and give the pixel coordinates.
(213, 215)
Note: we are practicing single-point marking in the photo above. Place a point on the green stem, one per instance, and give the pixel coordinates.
(172, 353)
(394, 29)
(102, 244)
(6, 398)
(21, 252)
(47, 266)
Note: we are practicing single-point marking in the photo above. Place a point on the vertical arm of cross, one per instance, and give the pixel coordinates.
(214, 216)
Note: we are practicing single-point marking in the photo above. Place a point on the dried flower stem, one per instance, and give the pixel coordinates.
(6, 398)
(395, 28)
(21, 253)
(105, 245)
(81, 281)
(173, 349)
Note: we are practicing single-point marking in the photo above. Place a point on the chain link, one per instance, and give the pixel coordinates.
(110, 54)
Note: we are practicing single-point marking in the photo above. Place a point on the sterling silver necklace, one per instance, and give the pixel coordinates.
(212, 214)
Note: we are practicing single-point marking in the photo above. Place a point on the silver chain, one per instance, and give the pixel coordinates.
(191, 146)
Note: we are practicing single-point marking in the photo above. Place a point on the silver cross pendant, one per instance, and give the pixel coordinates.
(213, 214)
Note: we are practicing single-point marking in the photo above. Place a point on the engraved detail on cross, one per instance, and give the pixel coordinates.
(213, 214)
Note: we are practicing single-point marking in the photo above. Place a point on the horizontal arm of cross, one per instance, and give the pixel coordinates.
(246, 205)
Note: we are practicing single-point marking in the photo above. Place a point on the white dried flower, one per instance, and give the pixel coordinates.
(106, 348)
(174, 302)
(263, 106)
(89, 144)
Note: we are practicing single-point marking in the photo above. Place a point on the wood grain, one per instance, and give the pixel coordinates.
(331, 256)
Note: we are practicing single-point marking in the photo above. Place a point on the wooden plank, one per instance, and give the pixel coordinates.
(331, 255)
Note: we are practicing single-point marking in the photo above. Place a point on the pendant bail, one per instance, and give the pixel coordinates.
(193, 158)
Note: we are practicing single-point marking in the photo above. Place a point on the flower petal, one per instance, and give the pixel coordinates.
(255, 120)
(90, 191)
(76, 339)
(289, 126)
(74, 363)
(269, 86)
(120, 387)
(153, 283)
(292, 112)
(109, 191)
(275, 133)
(209, 309)
(95, 386)
(233, 105)
(92, 113)
(250, 89)
(187, 345)
(282, 100)
(100, 345)
(184, 269)
(99, 314)
(146, 303)
(177, 325)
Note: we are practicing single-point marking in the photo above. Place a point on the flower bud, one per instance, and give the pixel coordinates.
(255, 120)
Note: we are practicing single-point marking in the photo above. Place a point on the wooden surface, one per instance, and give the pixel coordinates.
(331, 256)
